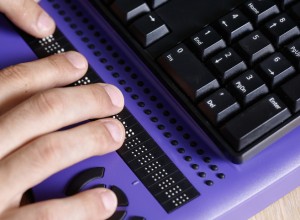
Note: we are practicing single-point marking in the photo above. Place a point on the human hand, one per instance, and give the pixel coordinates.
(32, 108)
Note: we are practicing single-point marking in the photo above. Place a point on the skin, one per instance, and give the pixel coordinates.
(34, 108)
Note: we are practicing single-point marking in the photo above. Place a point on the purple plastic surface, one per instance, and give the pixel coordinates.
(246, 189)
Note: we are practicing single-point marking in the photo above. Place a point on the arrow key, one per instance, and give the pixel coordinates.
(148, 29)
(275, 69)
(281, 29)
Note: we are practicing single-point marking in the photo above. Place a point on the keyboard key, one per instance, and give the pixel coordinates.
(295, 12)
(275, 69)
(234, 25)
(283, 3)
(206, 42)
(248, 87)
(290, 93)
(227, 64)
(219, 106)
(260, 10)
(281, 29)
(188, 71)
(126, 10)
(255, 47)
(255, 122)
(292, 51)
(155, 3)
(148, 29)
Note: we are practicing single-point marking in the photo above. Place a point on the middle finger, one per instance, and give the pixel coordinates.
(54, 109)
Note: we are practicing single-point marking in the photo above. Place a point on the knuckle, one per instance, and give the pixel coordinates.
(100, 139)
(15, 74)
(98, 94)
(48, 103)
(47, 152)
(54, 64)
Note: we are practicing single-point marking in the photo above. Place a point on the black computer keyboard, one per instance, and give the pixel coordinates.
(233, 64)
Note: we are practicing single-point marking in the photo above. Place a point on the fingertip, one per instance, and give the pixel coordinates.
(77, 60)
(115, 95)
(109, 200)
(45, 24)
(116, 129)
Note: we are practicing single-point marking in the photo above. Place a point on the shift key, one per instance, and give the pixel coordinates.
(255, 122)
(188, 72)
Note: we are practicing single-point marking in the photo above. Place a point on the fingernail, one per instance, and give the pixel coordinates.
(45, 23)
(77, 60)
(114, 131)
(109, 200)
(115, 95)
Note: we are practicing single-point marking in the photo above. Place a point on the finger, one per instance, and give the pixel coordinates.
(19, 82)
(28, 16)
(55, 109)
(53, 152)
(92, 204)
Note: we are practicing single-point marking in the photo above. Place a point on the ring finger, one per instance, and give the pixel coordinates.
(52, 152)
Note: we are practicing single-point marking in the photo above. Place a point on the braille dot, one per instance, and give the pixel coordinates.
(116, 75)
(221, 175)
(213, 167)
(153, 98)
(91, 46)
(186, 136)
(174, 142)
(103, 60)
(195, 166)
(161, 127)
(109, 68)
(67, 19)
(154, 119)
(135, 97)
(202, 174)
(97, 53)
(173, 120)
(167, 134)
(127, 69)
(209, 182)
(128, 89)
(193, 144)
(140, 83)
(179, 128)
(166, 113)
(56, 6)
(141, 104)
(181, 150)
(188, 158)
(206, 159)
(134, 76)
(122, 82)
(159, 105)
(62, 12)
(79, 33)
(200, 152)
(147, 111)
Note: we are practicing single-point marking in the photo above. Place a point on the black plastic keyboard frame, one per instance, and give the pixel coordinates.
(236, 157)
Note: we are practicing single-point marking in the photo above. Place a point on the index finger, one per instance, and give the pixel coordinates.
(28, 16)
